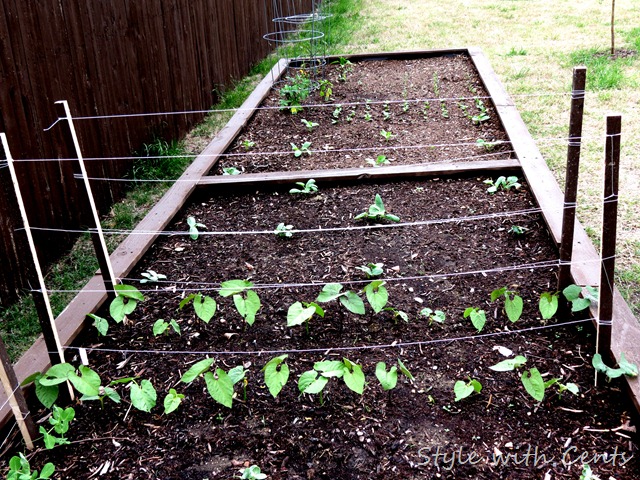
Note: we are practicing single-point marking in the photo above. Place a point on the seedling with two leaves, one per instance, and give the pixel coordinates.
(276, 374)
(245, 299)
(464, 389)
(313, 381)
(502, 183)
(624, 367)
(389, 378)
(194, 225)
(387, 135)
(513, 303)
(372, 269)
(252, 473)
(578, 303)
(231, 171)
(160, 327)
(305, 188)
(379, 161)
(478, 317)
(218, 382)
(298, 151)
(151, 276)
(377, 212)
(437, 316)
(283, 231)
(204, 306)
(309, 124)
(349, 299)
(302, 312)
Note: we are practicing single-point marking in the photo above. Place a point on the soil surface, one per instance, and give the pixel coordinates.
(452, 246)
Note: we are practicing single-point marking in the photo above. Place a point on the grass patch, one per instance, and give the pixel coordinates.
(603, 72)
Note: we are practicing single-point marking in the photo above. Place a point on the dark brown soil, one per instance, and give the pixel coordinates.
(452, 248)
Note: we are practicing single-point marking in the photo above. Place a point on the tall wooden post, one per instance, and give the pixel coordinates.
(609, 231)
(16, 399)
(571, 179)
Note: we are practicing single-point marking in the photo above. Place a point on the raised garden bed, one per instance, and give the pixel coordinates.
(457, 246)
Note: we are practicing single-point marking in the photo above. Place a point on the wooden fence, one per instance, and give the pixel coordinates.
(111, 57)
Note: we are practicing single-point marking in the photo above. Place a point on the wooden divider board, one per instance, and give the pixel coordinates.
(626, 331)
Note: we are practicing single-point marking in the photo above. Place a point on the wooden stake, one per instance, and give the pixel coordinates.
(609, 230)
(45, 315)
(99, 244)
(571, 180)
(16, 398)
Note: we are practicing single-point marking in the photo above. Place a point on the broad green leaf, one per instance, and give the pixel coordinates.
(57, 374)
(196, 370)
(236, 374)
(572, 292)
(129, 291)
(159, 327)
(513, 307)
(439, 316)
(580, 304)
(319, 310)
(388, 379)
(112, 394)
(548, 305)
(121, 306)
(330, 368)
(309, 382)
(354, 377)
(352, 302)
(47, 470)
(101, 324)
(477, 387)
(598, 363)
(175, 326)
(47, 394)
(628, 368)
(297, 314)
(143, 396)
(377, 295)
(221, 388)
(533, 383)
(497, 293)
(478, 319)
(509, 364)
(329, 292)
(462, 390)
(276, 374)
(87, 383)
(233, 287)
(205, 307)
(405, 371)
(172, 401)
(186, 300)
(247, 307)
(571, 387)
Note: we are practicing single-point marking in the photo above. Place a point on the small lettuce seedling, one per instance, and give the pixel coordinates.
(248, 144)
(437, 316)
(305, 188)
(464, 389)
(377, 212)
(151, 276)
(314, 381)
(19, 469)
(245, 299)
(389, 378)
(252, 473)
(572, 294)
(276, 374)
(372, 269)
(302, 312)
(160, 327)
(513, 303)
(502, 183)
(478, 317)
(283, 231)
(127, 298)
(350, 300)
(193, 227)
(624, 367)
(204, 306)
(298, 151)
(60, 419)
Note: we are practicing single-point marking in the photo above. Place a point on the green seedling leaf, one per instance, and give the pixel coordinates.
(513, 306)
(533, 383)
(129, 291)
(548, 305)
(353, 376)
(87, 383)
(377, 295)
(233, 287)
(572, 292)
(330, 368)
(388, 379)
(196, 370)
(121, 306)
(309, 382)
(193, 227)
(247, 306)
(629, 369)
(580, 304)
(497, 293)
(252, 473)
(463, 389)
(352, 302)
(509, 364)
(205, 307)
(405, 371)
(329, 292)
(159, 327)
(57, 374)
(172, 401)
(478, 317)
(571, 387)
(276, 374)
(143, 396)
(237, 374)
(220, 388)
(47, 470)
(297, 314)
(101, 324)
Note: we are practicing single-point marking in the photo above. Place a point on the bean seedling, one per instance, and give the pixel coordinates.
(377, 295)
(245, 299)
(160, 327)
(437, 316)
(172, 401)
(305, 188)
(379, 161)
(127, 298)
(219, 383)
(298, 151)
(624, 367)
(336, 114)
(488, 146)
(193, 227)
(151, 276)
(464, 389)
(572, 294)
(204, 306)
(350, 300)
(314, 381)
(252, 473)
(389, 378)
(248, 144)
(372, 269)
(284, 231)
(310, 125)
(517, 230)
(368, 117)
(513, 303)
(548, 304)
(302, 312)
(276, 374)
(396, 314)
(536, 386)
(482, 115)
(231, 171)
(478, 317)
(377, 212)
(502, 183)
(387, 135)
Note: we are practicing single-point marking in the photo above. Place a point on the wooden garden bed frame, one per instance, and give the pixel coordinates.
(585, 262)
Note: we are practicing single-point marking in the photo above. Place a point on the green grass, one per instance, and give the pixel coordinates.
(603, 73)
